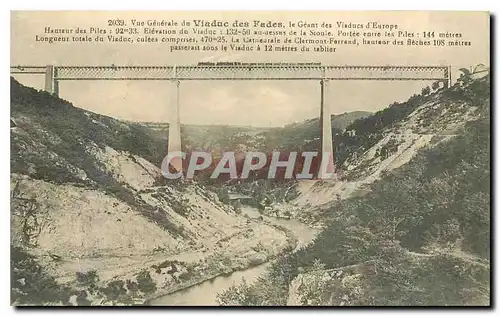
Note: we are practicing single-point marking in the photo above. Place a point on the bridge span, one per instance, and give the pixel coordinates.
(242, 71)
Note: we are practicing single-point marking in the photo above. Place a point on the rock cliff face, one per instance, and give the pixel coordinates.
(416, 235)
(408, 222)
(358, 285)
(86, 196)
(88, 207)
(333, 287)
(431, 120)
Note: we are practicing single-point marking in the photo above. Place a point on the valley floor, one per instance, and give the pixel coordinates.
(299, 235)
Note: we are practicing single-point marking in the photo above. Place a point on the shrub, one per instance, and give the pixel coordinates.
(132, 286)
(426, 91)
(30, 283)
(145, 282)
(114, 290)
(88, 279)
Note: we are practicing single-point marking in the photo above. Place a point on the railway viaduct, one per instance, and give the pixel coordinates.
(323, 74)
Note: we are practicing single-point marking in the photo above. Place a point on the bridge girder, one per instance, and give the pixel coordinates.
(175, 74)
(271, 72)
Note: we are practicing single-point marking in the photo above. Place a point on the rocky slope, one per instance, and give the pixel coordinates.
(86, 197)
(91, 181)
(388, 140)
(409, 222)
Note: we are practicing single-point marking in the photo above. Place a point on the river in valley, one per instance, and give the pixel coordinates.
(205, 293)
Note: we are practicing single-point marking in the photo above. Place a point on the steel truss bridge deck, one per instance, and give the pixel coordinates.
(55, 74)
(240, 72)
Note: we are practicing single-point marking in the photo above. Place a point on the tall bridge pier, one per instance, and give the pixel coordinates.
(174, 126)
(327, 169)
(51, 84)
(243, 71)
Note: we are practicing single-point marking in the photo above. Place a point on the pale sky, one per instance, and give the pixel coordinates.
(257, 103)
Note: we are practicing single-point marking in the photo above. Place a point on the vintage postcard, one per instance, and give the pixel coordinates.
(271, 158)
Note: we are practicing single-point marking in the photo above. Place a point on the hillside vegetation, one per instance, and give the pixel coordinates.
(420, 236)
(292, 137)
(91, 222)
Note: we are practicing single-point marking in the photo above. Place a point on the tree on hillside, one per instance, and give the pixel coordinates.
(465, 76)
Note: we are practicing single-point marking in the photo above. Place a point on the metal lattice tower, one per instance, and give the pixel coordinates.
(267, 71)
